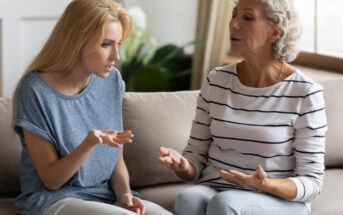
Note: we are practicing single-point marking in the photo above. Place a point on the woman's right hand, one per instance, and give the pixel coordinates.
(112, 138)
(173, 160)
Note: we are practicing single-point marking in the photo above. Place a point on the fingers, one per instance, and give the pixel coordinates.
(234, 177)
(114, 138)
(173, 161)
(164, 151)
(138, 203)
(134, 204)
(260, 173)
(165, 161)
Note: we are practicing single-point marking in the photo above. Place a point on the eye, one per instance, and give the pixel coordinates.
(105, 44)
(248, 18)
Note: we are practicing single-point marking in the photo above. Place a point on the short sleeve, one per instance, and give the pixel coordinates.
(30, 113)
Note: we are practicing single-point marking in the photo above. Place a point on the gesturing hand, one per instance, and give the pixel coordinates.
(255, 181)
(173, 160)
(112, 138)
(132, 203)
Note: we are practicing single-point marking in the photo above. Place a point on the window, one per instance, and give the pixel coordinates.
(322, 34)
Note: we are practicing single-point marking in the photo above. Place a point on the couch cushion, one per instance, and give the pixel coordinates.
(164, 195)
(334, 107)
(7, 207)
(330, 200)
(10, 151)
(156, 119)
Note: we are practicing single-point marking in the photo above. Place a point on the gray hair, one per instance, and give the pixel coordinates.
(283, 13)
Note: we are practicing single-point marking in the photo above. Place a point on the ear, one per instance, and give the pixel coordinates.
(276, 33)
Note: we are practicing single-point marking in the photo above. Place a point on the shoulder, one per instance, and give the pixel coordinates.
(31, 85)
(223, 72)
(302, 83)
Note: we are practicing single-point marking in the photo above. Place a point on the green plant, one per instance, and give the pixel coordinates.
(169, 69)
(145, 68)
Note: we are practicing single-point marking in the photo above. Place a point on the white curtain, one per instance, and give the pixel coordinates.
(213, 30)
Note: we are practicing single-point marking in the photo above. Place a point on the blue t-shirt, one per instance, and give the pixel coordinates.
(64, 121)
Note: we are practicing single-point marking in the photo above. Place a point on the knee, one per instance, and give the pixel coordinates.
(182, 201)
(222, 204)
(192, 201)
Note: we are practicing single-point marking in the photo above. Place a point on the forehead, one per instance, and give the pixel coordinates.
(250, 5)
(113, 30)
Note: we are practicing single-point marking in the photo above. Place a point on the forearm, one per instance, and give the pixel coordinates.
(283, 188)
(120, 180)
(61, 170)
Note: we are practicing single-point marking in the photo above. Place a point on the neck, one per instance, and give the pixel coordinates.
(77, 79)
(260, 72)
(70, 82)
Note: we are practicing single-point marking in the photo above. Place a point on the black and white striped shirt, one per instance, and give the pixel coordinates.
(281, 127)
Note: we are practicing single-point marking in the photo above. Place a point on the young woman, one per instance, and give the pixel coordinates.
(257, 143)
(68, 116)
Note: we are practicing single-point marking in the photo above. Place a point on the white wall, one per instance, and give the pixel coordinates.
(169, 21)
(26, 24)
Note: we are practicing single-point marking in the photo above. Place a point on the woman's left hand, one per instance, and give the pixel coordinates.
(256, 181)
(132, 203)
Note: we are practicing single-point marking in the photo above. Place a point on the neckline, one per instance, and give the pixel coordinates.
(260, 89)
(63, 96)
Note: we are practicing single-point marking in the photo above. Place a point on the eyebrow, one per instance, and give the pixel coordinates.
(248, 9)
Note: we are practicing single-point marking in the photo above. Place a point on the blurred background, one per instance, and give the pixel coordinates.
(174, 43)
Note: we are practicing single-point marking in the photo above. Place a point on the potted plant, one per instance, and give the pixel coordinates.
(145, 68)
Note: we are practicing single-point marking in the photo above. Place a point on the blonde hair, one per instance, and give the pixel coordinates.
(81, 27)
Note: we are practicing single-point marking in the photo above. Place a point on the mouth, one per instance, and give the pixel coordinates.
(235, 39)
(109, 67)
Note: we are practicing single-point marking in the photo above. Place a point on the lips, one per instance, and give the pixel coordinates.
(235, 39)
(108, 68)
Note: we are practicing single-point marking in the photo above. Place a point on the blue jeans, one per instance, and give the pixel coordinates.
(204, 200)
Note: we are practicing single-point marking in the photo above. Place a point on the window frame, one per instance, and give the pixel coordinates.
(319, 61)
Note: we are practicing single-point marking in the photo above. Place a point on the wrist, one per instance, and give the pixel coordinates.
(124, 196)
(88, 143)
(265, 186)
(189, 173)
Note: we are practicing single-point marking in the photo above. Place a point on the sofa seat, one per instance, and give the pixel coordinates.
(330, 200)
(7, 206)
(164, 195)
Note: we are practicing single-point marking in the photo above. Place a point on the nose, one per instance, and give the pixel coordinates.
(234, 24)
(115, 54)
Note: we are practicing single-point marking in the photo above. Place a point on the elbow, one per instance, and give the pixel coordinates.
(51, 184)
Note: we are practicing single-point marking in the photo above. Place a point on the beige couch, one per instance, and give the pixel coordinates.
(164, 119)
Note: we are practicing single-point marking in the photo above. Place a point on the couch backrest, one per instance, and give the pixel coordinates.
(156, 119)
(160, 119)
(10, 150)
(333, 95)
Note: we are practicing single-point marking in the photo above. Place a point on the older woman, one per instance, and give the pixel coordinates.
(258, 139)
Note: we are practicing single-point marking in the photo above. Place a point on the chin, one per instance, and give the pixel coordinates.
(235, 53)
(102, 74)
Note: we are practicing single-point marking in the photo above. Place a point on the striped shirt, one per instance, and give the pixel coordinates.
(281, 127)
